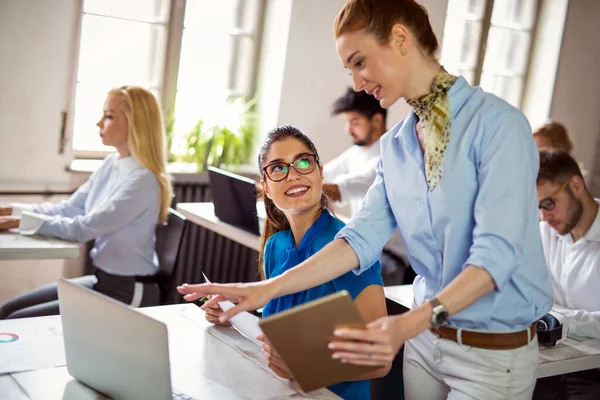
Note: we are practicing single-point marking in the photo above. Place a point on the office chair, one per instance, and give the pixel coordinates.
(168, 243)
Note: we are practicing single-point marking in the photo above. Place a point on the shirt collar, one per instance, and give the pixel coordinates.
(593, 234)
(314, 231)
(126, 165)
(458, 94)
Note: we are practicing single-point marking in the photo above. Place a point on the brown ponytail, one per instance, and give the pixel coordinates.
(276, 221)
(378, 17)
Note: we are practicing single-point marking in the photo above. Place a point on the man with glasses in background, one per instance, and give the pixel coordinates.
(570, 229)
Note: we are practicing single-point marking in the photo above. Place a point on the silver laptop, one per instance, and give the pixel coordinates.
(112, 348)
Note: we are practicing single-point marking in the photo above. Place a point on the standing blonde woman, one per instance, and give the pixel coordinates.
(118, 207)
(457, 176)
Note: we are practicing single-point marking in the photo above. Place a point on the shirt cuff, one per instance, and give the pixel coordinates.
(31, 222)
(18, 208)
(564, 321)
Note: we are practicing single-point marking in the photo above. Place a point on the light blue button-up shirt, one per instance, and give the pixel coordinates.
(118, 207)
(483, 212)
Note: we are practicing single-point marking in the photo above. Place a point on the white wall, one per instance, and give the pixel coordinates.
(314, 77)
(36, 53)
(576, 99)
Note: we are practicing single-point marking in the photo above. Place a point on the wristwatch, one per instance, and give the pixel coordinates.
(440, 315)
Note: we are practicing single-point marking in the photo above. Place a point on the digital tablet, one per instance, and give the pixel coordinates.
(301, 335)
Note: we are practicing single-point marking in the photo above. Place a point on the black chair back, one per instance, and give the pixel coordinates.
(168, 243)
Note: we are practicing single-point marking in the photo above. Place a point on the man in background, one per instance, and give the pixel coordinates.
(350, 175)
(570, 229)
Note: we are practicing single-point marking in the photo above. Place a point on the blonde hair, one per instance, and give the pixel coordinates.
(147, 138)
(557, 135)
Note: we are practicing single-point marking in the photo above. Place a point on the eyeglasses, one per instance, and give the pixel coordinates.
(304, 164)
(548, 203)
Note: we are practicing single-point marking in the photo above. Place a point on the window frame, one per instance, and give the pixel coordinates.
(486, 24)
(167, 85)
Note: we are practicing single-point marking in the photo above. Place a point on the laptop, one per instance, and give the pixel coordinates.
(234, 198)
(112, 348)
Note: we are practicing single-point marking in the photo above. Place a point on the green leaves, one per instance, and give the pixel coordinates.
(226, 143)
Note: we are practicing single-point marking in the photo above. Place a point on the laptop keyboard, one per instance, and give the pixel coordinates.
(181, 396)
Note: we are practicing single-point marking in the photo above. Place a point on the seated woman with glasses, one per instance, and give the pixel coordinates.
(299, 224)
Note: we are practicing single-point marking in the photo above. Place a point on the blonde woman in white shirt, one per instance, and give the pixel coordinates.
(570, 229)
(118, 207)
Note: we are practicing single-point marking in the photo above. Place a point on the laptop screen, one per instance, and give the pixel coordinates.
(234, 198)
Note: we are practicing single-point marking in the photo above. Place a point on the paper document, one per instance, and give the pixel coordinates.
(245, 323)
(31, 343)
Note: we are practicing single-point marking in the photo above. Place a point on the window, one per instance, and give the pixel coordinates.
(489, 43)
(193, 55)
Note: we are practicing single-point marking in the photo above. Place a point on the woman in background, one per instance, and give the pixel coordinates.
(118, 207)
(553, 136)
(299, 223)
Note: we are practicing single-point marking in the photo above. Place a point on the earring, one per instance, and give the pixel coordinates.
(402, 51)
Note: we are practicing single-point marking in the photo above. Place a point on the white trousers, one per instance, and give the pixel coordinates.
(437, 368)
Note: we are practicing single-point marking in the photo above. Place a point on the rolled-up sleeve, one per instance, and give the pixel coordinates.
(507, 166)
(372, 227)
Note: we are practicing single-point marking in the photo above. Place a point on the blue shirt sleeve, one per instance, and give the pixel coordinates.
(372, 227)
(74, 205)
(507, 167)
(129, 201)
(355, 284)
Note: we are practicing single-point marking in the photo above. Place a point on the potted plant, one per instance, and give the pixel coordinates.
(227, 142)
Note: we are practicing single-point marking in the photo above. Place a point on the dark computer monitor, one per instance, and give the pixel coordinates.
(234, 197)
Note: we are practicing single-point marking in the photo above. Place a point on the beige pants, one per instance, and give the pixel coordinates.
(437, 368)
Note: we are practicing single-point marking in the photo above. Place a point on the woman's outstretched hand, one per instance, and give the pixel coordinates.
(246, 296)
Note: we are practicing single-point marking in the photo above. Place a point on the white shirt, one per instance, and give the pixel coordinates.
(118, 207)
(353, 172)
(575, 273)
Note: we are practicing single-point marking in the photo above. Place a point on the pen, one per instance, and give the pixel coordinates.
(203, 300)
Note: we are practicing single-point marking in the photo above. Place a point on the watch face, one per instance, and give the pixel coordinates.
(441, 318)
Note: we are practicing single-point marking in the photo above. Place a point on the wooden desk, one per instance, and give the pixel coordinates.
(203, 214)
(207, 362)
(19, 247)
(570, 356)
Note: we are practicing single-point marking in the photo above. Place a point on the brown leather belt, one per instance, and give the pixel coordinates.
(490, 341)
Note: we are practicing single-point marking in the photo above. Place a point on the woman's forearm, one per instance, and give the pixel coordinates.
(332, 261)
(468, 287)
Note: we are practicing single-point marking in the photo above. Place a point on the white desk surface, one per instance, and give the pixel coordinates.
(19, 247)
(203, 214)
(207, 362)
(570, 356)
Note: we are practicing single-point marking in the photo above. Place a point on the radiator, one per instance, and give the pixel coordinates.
(221, 259)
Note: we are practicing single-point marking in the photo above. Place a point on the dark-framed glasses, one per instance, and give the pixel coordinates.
(304, 164)
(547, 203)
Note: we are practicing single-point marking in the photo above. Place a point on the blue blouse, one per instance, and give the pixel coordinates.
(483, 213)
(280, 254)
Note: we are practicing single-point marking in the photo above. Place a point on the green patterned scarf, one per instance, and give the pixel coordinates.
(433, 109)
